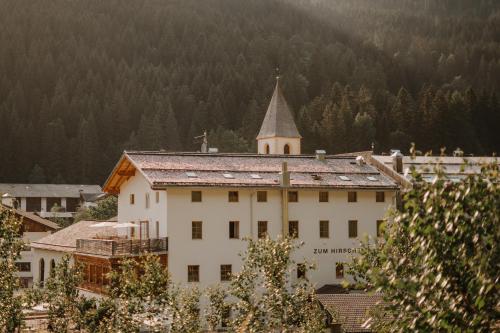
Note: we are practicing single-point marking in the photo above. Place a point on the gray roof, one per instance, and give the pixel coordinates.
(47, 190)
(278, 121)
(64, 240)
(454, 167)
(306, 171)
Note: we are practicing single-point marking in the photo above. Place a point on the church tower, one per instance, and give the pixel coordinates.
(278, 134)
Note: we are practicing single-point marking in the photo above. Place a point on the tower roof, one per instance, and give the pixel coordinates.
(278, 121)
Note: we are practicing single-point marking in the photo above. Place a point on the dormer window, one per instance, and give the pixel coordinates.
(191, 175)
(228, 176)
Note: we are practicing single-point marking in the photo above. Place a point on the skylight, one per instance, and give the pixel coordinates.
(345, 178)
(228, 175)
(255, 176)
(371, 178)
(191, 175)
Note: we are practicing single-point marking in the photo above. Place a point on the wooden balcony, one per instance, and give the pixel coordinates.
(121, 247)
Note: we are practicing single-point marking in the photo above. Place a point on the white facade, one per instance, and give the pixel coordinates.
(276, 145)
(175, 213)
(46, 258)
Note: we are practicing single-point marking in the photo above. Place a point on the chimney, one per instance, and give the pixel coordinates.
(397, 161)
(213, 150)
(284, 175)
(360, 160)
(458, 152)
(320, 155)
(8, 200)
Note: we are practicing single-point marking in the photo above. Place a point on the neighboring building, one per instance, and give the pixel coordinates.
(399, 166)
(33, 228)
(349, 311)
(40, 198)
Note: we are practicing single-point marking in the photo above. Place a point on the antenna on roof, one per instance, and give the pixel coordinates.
(204, 142)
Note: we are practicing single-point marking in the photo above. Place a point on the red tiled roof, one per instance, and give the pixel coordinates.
(353, 309)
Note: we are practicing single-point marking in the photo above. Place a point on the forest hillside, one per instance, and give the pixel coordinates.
(82, 80)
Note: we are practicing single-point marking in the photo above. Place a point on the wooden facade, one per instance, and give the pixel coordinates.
(96, 270)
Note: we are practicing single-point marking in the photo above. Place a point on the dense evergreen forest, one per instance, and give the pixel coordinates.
(82, 80)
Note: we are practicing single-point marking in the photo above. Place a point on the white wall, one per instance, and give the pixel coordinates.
(27, 256)
(216, 248)
(277, 144)
(47, 255)
(139, 186)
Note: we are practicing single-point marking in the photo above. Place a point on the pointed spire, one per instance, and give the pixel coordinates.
(278, 121)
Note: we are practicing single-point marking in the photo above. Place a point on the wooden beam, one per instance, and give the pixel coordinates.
(127, 173)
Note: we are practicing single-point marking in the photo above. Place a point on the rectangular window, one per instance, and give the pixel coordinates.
(193, 273)
(324, 229)
(144, 229)
(147, 200)
(98, 274)
(225, 272)
(105, 272)
(339, 270)
(301, 271)
(262, 229)
(380, 228)
(261, 196)
(23, 266)
(196, 229)
(293, 229)
(157, 197)
(33, 204)
(293, 196)
(233, 196)
(132, 199)
(323, 196)
(353, 229)
(380, 196)
(234, 229)
(157, 225)
(132, 231)
(195, 196)
(352, 196)
(92, 274)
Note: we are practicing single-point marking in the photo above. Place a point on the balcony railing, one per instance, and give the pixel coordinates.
(121, 247)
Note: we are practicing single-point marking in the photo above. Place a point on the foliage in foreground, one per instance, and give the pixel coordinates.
(10, 249)
(438, 264)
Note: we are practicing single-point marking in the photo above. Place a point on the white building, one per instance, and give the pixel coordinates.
(33, 228)
(206, 204)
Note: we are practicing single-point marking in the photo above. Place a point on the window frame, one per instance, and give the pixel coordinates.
(290, 223)
(193, 272)
(352, 233)
(196, 230)
(380, 227)
(339, 270)
(321, 229)
(233, 196)
(132, 199)
(352, 196)
(301, 271)
(157, 196)
(293, 196)
(322, 195)
(226, 272)
(260, 233)
(194, 196)
(261, 196)
(380, 196)
(147, 200)
(235, 229)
